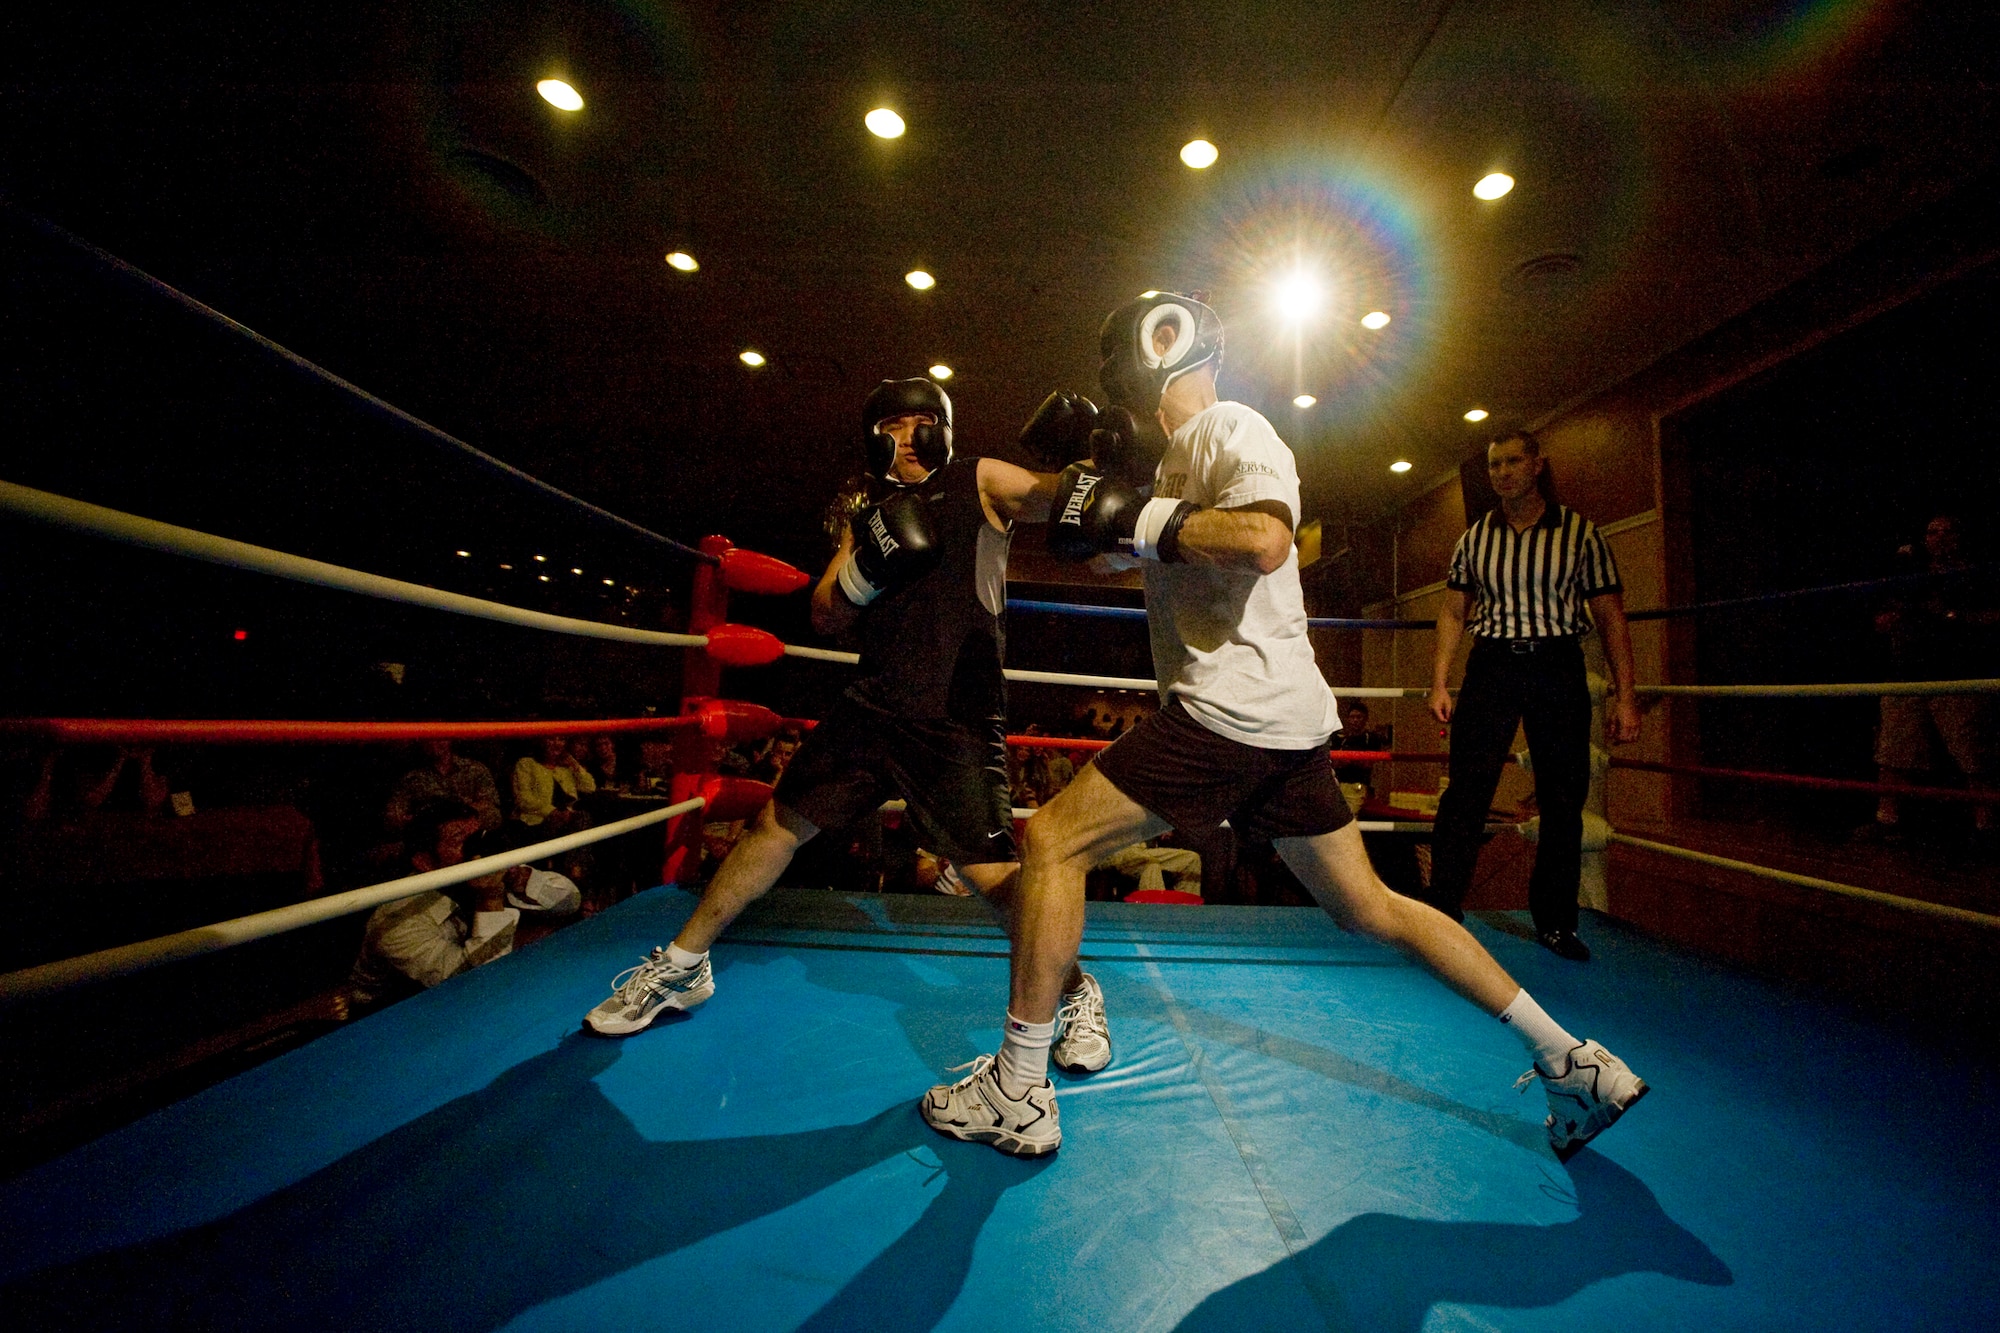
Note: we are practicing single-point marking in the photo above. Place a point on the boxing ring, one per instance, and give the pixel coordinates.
(1299, 1129)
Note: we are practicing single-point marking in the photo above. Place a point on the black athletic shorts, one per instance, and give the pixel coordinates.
(1195, 779)
(953, 776)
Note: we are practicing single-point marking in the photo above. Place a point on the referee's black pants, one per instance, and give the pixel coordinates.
(1544, 689)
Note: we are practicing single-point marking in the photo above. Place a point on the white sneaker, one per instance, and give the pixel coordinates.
(978, 1110)
(641, 994)
(1586, 1098)
(1083, 1043)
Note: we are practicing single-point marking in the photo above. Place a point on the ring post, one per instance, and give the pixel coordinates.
(701, 680)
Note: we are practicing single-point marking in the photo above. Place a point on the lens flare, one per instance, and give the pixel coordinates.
(1299, 296)
(560, 95)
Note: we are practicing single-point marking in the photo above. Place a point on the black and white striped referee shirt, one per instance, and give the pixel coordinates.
(1533, 584)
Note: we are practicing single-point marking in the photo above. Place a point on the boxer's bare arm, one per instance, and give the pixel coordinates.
(1010, 493)
(1255, 537)
(831, 612)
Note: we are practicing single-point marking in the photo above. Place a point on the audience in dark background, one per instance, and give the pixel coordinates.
(444, 774)
(415, 943)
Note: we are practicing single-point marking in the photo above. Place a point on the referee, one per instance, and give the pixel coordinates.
(1529, 579)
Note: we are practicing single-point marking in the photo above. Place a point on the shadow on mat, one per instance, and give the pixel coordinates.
(533, 1187)
(1382, 1274)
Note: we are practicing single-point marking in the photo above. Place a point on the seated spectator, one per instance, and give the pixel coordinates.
(1151, 864)
(97, 779)
(414, 944)
(444, 775)
(783, 745)
(1355, 734)
(546, 787)
(656, 764)
(599, 756)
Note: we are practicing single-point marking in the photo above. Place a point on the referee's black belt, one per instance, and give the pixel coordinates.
(1548, 643)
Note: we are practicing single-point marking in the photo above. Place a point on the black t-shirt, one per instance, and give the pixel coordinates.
(933, 648)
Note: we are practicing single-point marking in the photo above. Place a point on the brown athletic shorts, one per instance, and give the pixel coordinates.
(1194, 779)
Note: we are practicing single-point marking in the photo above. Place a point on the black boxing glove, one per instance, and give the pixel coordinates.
(1124, 448)
(1095, 513)
(1059, 432)
(893, 545)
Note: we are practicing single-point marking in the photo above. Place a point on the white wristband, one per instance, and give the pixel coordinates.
(1152, 521)
(857, 589)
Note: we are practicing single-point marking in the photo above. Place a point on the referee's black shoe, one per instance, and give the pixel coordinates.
(1564, 944)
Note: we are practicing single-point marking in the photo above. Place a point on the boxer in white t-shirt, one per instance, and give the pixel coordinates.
(1241, 734)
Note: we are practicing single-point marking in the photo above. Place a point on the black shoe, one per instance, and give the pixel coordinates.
(1564, 944)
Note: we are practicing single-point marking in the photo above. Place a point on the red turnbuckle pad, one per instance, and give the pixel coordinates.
(730, 799)
(728, 720)
(747, 571)
(744, 645)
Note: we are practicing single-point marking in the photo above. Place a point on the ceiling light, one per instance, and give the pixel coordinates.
(611, 583)
(1199, 154)
(884, 123)
(1304, 400)
(683, 261)
(1147, 296)
(462, 553)
(543, 577)
(560, 95)
(576, 571)
(920, 280)
(940, 371)
(748, 358)
(1400, 465)
(1494, 185)
(1477, 414)
(506, 566)
(1298, 297)
(1375, 319)
(541, 560)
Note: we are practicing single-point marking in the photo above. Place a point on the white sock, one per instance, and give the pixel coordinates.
(681, 958)
(1542, 1035)
(1024, 1055)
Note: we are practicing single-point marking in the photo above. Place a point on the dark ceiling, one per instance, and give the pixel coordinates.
(380, 189)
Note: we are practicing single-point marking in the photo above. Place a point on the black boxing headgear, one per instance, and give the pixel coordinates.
(902, 398)
(1149, 343)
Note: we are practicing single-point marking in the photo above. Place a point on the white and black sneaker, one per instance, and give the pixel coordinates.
(1586, 1098)
(641, 994)
(978, 1110)
(1083, 1036)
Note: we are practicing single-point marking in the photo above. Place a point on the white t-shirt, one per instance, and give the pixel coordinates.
(1231, 642)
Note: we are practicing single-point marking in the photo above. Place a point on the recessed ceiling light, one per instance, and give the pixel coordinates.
(1304, 400)
(1298, 296)
(884, 123)
(462, 553)
(611, 583)
(1477, 414)
(1494, 185)
(920, 280)
(541, 560)
(748, 358)
(940, 371)
(1375, 319)
(1400, 465)
(543, 577)
(576, 571)
(560, 95)
(1199, 154)
(683, 261)
(1147, 296)
(506, 566)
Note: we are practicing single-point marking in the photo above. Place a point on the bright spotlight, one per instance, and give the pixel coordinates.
(682, 260)
(884, 123)
(1304, 400)
(560, 95)
(920, 280)
(463, 553)
(1477, 414)
(1375, 319)
(1298, 297)
(610, 583)
(940, 371)
(1494, 185)
(1199, 154)
(750, 358)
(1400, 465)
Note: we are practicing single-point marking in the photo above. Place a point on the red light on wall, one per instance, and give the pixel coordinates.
(241, 635)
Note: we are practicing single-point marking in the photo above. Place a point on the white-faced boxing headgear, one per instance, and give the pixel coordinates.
(901, 398)
(1137, 363)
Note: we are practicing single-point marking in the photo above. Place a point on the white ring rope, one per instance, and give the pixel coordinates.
(1875, 896)
(79, 516)
(49, 978)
